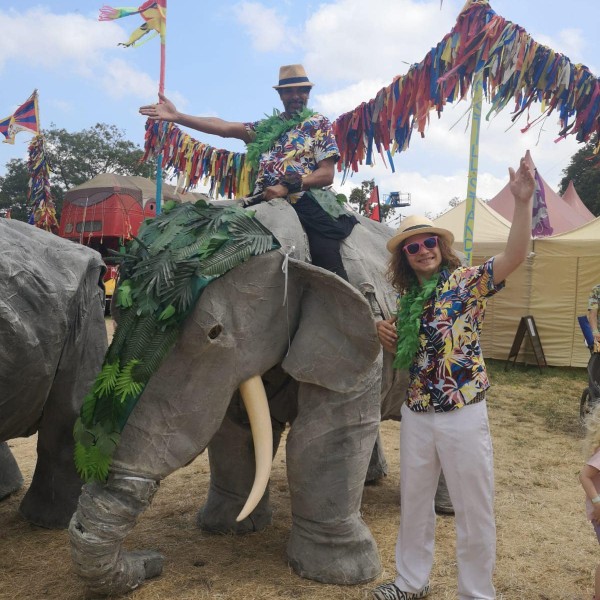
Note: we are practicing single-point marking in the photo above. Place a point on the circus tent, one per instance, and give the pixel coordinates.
(571, 197)
(561, 215)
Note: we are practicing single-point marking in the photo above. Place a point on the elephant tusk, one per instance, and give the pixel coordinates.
(255, 400)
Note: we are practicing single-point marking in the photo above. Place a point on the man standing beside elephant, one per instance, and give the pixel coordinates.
(295, 152)
(444, 419)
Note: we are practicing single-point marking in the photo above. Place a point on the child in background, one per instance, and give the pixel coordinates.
(590, 479)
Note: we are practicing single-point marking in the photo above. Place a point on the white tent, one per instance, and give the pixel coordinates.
(552, 285)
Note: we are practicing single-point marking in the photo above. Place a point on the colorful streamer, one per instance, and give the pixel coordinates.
(514, 68)
(154, 13)
(43, 211)
(229, 173)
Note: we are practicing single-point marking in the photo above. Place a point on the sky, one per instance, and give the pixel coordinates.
(223, 57)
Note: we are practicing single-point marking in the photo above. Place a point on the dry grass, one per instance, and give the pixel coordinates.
(546, 549)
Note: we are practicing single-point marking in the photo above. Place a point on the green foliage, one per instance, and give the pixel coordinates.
(163, 272)
(584, 171)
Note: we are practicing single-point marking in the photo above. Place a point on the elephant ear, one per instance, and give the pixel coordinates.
(336, 342)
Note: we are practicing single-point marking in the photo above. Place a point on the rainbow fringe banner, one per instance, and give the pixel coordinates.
(43, 211)
(514, 68)
(154, 13)
(229, 173)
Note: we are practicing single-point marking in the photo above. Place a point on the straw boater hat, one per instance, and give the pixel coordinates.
(414, 225)
(292, 76)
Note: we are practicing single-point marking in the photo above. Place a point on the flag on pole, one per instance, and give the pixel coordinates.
(154, 12)
(372, 207)
(25, 118)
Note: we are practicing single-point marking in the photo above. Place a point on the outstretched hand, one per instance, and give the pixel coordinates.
(522, 183)
(164, 111)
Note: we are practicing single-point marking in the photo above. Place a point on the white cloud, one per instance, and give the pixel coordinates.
(68, 41)
(120, 79)
(266, 27)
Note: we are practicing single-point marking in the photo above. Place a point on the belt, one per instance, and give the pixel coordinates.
(478, 398)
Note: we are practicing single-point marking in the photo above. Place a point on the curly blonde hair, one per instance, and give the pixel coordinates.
(400, 273)
(591, 441)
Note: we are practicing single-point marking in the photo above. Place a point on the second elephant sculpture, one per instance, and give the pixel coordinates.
(312, 337)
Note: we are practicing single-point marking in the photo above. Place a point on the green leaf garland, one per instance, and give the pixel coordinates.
(408, 321)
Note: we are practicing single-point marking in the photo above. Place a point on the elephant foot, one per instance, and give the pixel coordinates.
(342, 553)
(218, 515)
(443, 504)
(132, 569)
(11, 479)
(49, 507)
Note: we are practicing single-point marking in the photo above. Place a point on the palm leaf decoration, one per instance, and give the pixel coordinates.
(163, 273)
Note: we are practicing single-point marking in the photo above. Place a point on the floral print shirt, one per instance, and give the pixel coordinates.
(448, 370)
(299, 150)
(594, 302)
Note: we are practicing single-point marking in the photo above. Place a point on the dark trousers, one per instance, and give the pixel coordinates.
(324, 234)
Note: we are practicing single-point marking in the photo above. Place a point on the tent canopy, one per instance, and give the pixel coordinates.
(571, 197)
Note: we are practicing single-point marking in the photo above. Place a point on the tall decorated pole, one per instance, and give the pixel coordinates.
(154, 13)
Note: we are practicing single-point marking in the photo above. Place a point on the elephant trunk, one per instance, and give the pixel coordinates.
(254, 397)
(106, 513)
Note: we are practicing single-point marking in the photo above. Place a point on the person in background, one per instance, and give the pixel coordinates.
(296, 152)
(593, 316)
(435, 335)
(590, 479)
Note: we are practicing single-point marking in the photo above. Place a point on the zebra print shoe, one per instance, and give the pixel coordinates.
(389, 591)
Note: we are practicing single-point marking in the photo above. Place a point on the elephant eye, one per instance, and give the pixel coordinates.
(215, 332)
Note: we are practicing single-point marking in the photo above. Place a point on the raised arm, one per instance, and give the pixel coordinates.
(522, 185)
(165, 110)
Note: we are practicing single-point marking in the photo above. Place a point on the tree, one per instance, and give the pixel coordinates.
(74, 157)
(359, 197)
(584, 171)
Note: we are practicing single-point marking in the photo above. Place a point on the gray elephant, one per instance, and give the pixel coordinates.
(312, 337)
(53, 342)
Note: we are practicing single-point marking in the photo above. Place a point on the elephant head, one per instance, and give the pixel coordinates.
(272, 311)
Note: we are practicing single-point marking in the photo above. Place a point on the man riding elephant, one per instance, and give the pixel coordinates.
(295, 152)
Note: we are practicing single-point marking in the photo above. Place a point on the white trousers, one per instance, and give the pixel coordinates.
(458, 442)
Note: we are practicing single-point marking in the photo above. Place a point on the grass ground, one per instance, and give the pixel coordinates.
(546, 549)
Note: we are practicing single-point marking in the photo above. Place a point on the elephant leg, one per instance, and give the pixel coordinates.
(11, 479)
(378, 468)
(443, 504)
(232, 468)
(328, 451)
(105, 514)
(55, 487)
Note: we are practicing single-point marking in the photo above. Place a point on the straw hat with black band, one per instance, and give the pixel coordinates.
(292, 76)
(414, 225)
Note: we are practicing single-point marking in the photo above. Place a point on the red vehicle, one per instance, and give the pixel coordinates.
(107, 211)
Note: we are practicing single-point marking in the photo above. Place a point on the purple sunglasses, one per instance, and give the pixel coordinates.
(428, 243)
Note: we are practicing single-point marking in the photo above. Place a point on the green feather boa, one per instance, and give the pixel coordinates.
(270, 130)
(408, 321)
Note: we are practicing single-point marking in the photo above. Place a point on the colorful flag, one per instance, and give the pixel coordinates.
(372, 205)
(25, 118)
(154, 12)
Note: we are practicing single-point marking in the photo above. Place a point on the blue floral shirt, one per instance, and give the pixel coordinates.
(448, 370)
(299, 150)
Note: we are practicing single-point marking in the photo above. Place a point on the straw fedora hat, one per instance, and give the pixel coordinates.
(414, 225)
(292, 76)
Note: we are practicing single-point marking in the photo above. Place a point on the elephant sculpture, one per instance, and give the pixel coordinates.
(312, 337)
(53, 342)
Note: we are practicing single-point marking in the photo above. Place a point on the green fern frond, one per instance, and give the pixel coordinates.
(91, 464)
(88, 407)
(126, 386)
(253, 233)
(155, 352)
(138, 339)
(225, 259)
(127, 320)
(106, 380)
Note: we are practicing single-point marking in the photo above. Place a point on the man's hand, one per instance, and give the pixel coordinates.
(386, 331)
(522, 183)
(275, 191)
(163, 111)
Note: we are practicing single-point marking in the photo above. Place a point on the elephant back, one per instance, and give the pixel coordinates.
(43, 278)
